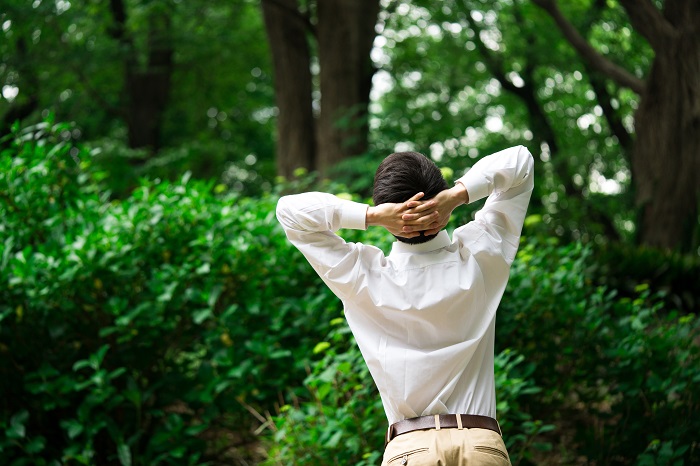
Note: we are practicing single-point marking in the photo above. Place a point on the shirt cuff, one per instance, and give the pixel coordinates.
(353, 215)
(477, 186)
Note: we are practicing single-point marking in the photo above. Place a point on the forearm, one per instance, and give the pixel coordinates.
(458, 195)
(316, 212)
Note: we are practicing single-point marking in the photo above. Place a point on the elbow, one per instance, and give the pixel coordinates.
(526, 162)
(282, 210)
(526, 156)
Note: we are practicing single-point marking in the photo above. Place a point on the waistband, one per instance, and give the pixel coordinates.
(443, 421)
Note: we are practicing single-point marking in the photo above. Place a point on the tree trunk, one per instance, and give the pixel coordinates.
(148, 89)
(18, 111)
(666, 156)
(345, 37)
(286, 32)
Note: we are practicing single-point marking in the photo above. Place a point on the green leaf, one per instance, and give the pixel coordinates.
(36, 445)
(280, 354)
(80, 365)
(17, 429)
(641, 287)
(124, 454)
(73, 427)
(200, 316)
(321, 347)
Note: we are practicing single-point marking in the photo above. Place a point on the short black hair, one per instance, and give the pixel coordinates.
(401, 176)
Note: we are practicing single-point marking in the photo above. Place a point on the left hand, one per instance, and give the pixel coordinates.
(392, 216)
(437, 210)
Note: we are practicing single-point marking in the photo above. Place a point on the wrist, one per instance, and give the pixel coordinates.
(372, 217)
(458, 195)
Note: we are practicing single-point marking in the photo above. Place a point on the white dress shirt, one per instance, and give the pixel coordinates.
(423, 316)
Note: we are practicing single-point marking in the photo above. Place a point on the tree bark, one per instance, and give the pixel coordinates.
(345, 37)
(287, 34)
(666, 157)
(147, 88)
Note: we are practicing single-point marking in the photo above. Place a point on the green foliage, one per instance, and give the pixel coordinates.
(143, 331)
(341, 420)
(621, 369)
(462, 79)
(65, 58)
(134, 330)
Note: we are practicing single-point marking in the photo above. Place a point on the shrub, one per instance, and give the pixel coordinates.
(341, 419)
(142, 330)
(618, 373)
(134, 331)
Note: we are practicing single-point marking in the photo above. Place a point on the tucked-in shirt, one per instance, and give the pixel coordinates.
(424, 315)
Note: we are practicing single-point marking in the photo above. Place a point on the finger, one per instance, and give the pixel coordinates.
(423, 206)
(415, 197)
(413, 228)
(431, 218)
(404, 234)
(419, 222)
(414, 214)
(433, 231)
(412, 217)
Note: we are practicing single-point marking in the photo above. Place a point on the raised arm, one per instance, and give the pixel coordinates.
(506, 177)
(310, 221)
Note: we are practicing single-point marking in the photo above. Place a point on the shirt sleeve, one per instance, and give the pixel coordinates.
(310, 221)
(506, 178)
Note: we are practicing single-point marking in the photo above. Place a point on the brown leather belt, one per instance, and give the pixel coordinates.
(442, 421)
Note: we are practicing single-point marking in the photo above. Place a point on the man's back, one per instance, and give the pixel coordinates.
(423, 316)
(424, 321)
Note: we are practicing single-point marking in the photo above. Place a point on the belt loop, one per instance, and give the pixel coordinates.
(499, 428)
(437, 422)
(459, 421)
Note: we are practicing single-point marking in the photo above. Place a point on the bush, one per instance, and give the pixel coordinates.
(142, 331)
(341, 419)
(617, 373)
(134, 331)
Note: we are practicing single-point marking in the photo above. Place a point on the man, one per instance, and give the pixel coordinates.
(424, 316)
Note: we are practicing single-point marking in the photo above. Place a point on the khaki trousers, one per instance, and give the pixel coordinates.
(447, 447)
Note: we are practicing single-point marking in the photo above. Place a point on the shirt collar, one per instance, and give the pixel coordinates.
(440, 241)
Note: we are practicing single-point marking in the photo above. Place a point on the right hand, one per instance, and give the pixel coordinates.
(391, 216)
(438, 209)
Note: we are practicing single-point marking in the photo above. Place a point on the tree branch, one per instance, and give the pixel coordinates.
(648, 21)
(604, 98)
(591, 55)
(493, 62)
(538, 119)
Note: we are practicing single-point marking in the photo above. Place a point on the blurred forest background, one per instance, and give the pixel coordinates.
(152, 311)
